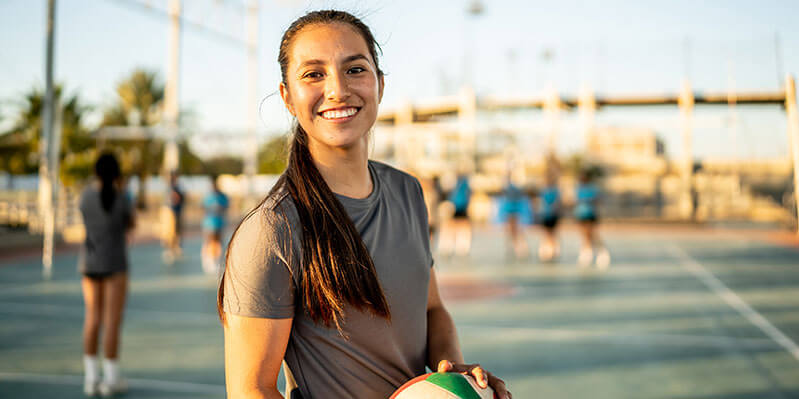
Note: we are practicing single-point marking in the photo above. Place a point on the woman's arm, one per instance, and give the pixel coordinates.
(442, 338)
(443, 350)
(254, 350)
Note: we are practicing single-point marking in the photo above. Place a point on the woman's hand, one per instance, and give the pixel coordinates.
(484, 378)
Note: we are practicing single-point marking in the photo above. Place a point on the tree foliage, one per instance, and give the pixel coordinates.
(273, 156)
(19, 145)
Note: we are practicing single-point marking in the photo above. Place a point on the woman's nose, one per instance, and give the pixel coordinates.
(337, 87)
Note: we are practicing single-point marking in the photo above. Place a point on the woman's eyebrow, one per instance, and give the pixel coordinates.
(356, 57)
(350, 58)
(310, 62)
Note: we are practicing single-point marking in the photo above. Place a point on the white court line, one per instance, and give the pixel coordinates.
(47, 309)
(545, 334)
(138, 383)
(734, 300)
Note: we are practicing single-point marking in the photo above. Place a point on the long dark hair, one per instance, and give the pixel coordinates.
(337, 268)
(107, 169)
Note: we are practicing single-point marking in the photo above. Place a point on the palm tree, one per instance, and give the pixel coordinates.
(19, 145)
(139, 100)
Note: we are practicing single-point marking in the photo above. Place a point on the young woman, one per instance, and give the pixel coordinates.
(172, 217)
(332, 272)
(107, 216)
(460, 229)
(549, 212)
(585, 211)
(215, 205)
(515, 212)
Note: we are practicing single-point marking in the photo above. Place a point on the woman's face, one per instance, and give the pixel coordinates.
(332, 85)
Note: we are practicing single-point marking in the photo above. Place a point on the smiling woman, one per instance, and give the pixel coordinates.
(332, 273)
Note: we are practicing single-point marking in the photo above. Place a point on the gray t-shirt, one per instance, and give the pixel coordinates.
(105, 249)
(263, 276)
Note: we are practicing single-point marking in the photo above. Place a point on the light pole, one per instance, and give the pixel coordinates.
(47, 147)
(468, 99)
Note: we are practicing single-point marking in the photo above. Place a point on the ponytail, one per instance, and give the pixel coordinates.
(107, 169)
(337, 268)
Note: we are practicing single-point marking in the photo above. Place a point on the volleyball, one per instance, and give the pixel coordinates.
(442, 386)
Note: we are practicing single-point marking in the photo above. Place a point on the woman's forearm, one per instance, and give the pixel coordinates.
(271, 393)
(442, 338)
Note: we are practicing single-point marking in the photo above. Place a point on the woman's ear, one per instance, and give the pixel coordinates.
(381, 84)
(284, 94)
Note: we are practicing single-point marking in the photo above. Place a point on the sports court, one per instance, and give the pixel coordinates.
(683, 312)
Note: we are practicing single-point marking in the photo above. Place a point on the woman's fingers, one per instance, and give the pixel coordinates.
(479, 375)
(500, 390)
(444, 366)
(483, 378)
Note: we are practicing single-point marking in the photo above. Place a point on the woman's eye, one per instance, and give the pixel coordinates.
(312, 75)
(356, 70)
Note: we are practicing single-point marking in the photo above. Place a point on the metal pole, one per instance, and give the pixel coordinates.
(45, 181)
(467, 118)
(586, 104)
(778, 57)
(172, 90)
(686, 104)
(251, 156)
(793, 131)
(552, 106)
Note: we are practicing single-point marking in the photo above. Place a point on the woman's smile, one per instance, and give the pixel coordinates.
(339, 114)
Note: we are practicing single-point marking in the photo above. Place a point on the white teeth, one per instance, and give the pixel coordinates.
(339, 113)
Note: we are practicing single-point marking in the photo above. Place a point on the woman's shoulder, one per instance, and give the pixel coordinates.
(392, 175)
(89, 192)
(275, 215)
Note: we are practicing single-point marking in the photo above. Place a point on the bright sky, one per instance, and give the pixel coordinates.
(614, 46)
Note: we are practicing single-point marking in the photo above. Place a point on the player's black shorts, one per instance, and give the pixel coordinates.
(99, 276)
(549, 221)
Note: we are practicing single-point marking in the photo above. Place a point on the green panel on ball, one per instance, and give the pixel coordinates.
(455, 383)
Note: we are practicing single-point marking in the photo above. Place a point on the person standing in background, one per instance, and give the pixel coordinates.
(515, 212)
(461, 225)
(107, 218)
(215, 204)
(175, 202)
(585, 211)
(549, 212)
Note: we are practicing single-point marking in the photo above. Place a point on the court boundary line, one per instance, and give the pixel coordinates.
(733, 300)
(138, 383)
(45, 309)
(544, 334)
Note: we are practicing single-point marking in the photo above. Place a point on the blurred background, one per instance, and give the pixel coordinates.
(685, 111)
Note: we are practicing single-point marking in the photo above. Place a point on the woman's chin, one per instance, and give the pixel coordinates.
(346, 141)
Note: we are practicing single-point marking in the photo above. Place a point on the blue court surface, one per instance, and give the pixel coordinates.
(681, 313)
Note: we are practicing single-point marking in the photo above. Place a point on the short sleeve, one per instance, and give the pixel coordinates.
(258, 279)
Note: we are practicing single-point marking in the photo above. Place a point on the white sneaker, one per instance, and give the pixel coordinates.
(209, 264)
(91, 388)
(107, 388)
(586, 255)
(603, 259)
(168, 257)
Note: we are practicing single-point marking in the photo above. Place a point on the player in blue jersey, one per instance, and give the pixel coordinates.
(587, 197)
(215, 205)
(549, 214)
(514, 210)
(460, 196)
